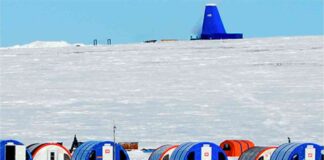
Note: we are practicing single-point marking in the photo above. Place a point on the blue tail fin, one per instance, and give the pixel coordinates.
(213, 27)
(212, 21)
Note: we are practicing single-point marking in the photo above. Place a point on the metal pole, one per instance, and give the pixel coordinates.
(114, 130)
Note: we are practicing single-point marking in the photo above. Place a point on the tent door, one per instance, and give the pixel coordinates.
(10, 152)
(167, 157)
(60, 156)
(52, 155)
(20, 152)
(107, 152)
(310, 152)
(206, 152)
(261, 158)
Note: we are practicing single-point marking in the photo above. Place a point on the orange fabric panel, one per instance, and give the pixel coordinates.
(234, 148)
(250, 143)
(229, 143)
(237, 147)
(245, 146)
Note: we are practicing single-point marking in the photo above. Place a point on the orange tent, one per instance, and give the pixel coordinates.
(234, 148)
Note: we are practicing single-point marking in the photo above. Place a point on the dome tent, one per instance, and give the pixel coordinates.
(100, 150)
(13, 150)
(258, 153)
(297, 151)
(163, 152)
(198, 151)
(234, 148)
(49, 151)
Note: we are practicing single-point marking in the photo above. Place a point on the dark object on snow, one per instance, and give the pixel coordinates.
(147, 150)
(194, 38)
(108, 41)
(75, 144)
(150, 41)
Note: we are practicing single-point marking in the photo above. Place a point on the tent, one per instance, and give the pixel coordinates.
(258, 153)
(234, 148)
(13, 150)
(49, 151)
(297, 151)
(198, 151)
(100, 150)
(163, 152)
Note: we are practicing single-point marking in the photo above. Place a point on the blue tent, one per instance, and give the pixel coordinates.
(10, 149)
(198, 151)
(98, 150)
(213, 27)
(298, 151)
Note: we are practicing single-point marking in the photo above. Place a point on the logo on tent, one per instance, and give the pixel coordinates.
(206, 154)
(310, 155)
(107, 151)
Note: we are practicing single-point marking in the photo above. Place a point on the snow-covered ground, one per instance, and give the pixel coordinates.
(166, 93)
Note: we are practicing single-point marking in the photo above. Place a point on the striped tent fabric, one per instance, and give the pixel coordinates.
(252, 153)
(156, 155)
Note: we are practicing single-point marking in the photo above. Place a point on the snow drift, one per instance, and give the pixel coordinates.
(166, 93)
(46, 44)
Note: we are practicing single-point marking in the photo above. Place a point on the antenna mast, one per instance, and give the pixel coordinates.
(114, 132)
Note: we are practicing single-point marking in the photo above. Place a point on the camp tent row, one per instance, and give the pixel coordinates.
(92, 150)
(202, 150)
(107, 150)
(189, 151)
(288, 151)
(245, 150)
(238, 150)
